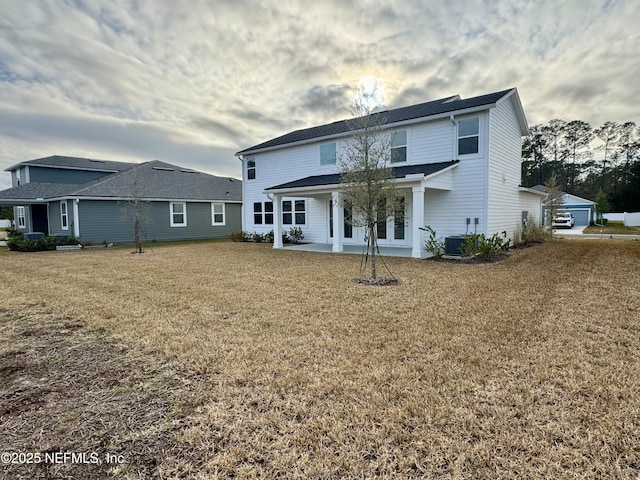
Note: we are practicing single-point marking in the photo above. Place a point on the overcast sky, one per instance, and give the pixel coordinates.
(193, 82)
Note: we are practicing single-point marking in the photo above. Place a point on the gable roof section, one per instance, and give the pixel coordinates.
(334, 178)
(159, 180)
(166, 181)
(442, 106)
(75, 163)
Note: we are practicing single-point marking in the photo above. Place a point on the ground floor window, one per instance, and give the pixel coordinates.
(21, 217)
(263, 213)
(64, 218)
(294, 212)
(178, 214)
(217, 214)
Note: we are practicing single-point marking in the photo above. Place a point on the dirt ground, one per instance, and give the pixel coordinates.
(65, 387)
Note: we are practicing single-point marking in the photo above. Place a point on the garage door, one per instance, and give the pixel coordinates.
(581, 216)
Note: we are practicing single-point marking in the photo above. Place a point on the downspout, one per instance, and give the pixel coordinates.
(241, 158)
(76, 218)
(455, 130)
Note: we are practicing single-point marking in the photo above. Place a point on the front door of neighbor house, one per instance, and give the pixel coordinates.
(40, 218)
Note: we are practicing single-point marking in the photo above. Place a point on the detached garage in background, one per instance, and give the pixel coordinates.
(584, 211)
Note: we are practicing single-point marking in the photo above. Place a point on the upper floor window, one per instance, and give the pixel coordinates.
(64, 218)
(328, 153)
(21, 217)
(468, 135)
(251, 168)
(294, 212)
(217, 214)
(178, 214)
(399, 146)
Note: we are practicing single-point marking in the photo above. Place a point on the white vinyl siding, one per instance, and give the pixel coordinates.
(178, 212)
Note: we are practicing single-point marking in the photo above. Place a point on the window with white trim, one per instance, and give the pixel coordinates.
(251, 168)
(217, 214)
(328, 153)
(468, 136)
(64, 217)
(257, 213)
(294, 212)
(268, 213)
(399, 146)
(178, 214)
(20, 214)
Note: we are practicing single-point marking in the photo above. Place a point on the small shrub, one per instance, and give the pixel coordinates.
(433, 245)
(238, 236)
(483, 247)
(296, 235)
(285, 237)
(531, 232)
(268, 237)
(13, 232)
(257, 237)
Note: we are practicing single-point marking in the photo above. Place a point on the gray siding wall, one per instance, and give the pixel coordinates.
(109, 220)
(62, 175)
(55, 221)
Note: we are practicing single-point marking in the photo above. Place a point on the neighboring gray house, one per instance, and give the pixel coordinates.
(584, 211)
(89, 199)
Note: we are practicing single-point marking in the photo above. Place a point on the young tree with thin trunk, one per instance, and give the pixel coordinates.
(137, 208)
(553, 201)
(367, 183)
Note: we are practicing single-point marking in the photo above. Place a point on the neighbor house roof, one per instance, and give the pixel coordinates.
(334, 178)
(59, 161)
(157, 180)
(442, 106)
(567, 198)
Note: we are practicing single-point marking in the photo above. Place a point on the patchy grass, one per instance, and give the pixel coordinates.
(260, 363)
(613, 227)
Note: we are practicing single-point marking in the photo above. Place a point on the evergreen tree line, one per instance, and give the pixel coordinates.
(586, 161)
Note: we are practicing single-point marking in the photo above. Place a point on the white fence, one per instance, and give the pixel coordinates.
(632, 219)
(616, 217)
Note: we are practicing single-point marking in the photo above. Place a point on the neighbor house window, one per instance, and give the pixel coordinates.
(21, 217)
(64, 218)
(178, 214)
(257, 213)
(251, 168)
(399, 146)
(468, 136)
(294, 212)
(217, 214)
(328, 153)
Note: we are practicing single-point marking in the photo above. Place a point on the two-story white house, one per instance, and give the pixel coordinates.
(456, 163)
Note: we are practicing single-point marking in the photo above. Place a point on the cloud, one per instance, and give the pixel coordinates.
(146, 79)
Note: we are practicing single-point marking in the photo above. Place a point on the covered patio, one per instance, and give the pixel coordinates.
(385, 251)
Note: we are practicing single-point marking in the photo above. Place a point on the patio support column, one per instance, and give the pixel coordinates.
(418, 221)
(277, 221)
(76, 218)
(338, 222)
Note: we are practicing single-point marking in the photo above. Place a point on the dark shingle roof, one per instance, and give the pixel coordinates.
(164, 180)
(34, 191)
(60, 161)
(158, 180)
(435, 107)
(334, 178)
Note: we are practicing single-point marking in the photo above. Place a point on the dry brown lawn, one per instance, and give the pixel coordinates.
(216, 360)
